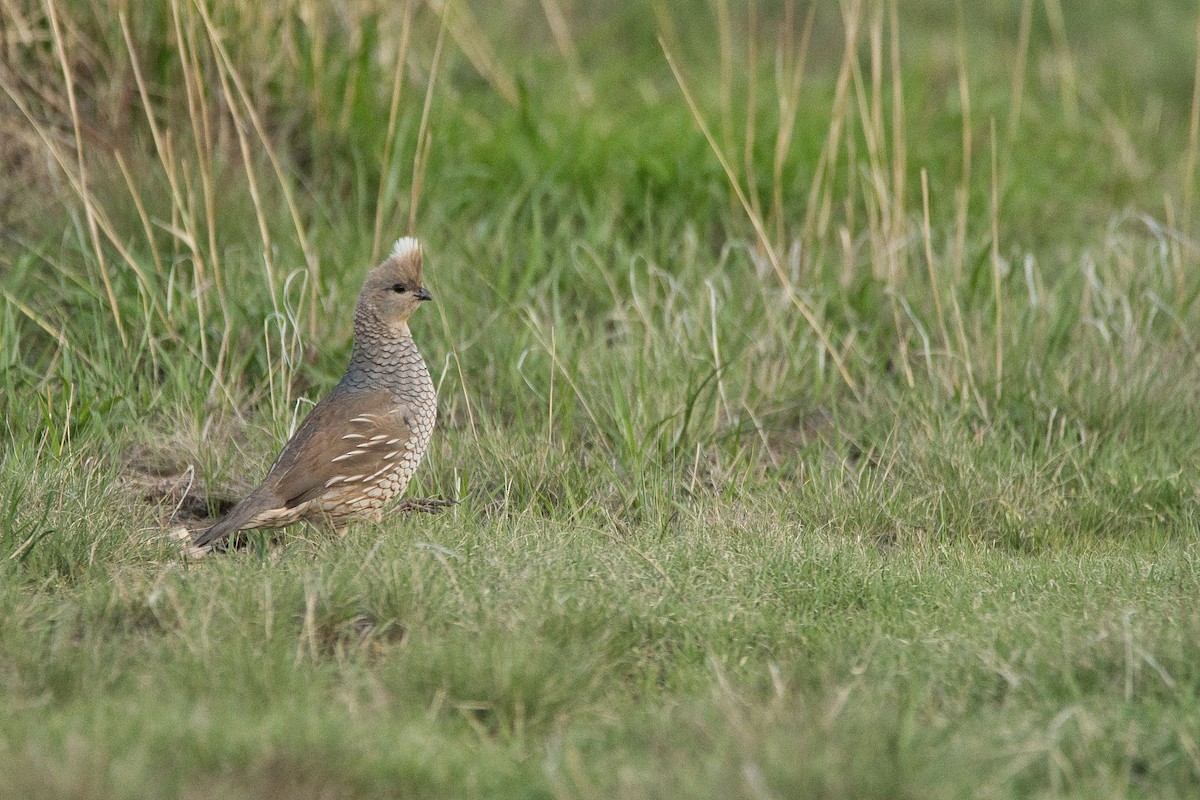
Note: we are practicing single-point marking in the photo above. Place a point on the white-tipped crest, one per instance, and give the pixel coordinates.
(405, 246)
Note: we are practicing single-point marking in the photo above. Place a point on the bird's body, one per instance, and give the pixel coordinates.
(360, 445)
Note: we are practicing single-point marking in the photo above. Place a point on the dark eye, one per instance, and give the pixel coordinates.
(398, 288)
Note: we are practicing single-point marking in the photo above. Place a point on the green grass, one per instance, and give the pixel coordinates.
(882, 484)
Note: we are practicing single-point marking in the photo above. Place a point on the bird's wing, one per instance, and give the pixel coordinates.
(344, 439)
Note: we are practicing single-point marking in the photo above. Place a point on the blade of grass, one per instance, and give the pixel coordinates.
(759, 228)
(55, 333)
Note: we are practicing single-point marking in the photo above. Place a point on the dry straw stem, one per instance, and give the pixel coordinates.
(1017, 92)
(144, 218)
(789, 104)
(997, 288)
(424, 139)
(725, 85)
(1189, 173)
(757, 223)
(819, 208)
(200, 117)
(389, 142)
(748, 134)
(899, 139)
(475, 46)
(560, 29)
(184, 225)
(228, 73)
(884, 200)
(78, 186)
(1068, 85)
(81, 179)
(963, 191)
(927, 240)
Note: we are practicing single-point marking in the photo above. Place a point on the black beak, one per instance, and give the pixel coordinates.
(422, 294)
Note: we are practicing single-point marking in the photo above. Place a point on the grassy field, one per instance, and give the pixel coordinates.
(818, 385)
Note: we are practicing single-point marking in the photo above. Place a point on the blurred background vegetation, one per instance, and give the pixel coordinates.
(815, 378)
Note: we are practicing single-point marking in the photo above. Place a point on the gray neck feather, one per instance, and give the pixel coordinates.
(383, 357)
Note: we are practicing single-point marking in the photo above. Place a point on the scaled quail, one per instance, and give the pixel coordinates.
(359, 446)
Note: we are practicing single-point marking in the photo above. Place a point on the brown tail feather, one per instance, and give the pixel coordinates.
(231, 523)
